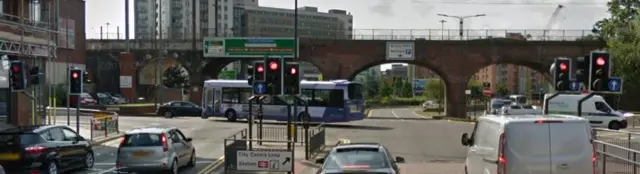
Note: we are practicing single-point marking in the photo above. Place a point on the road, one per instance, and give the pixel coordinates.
(431, 146)
(208, 138)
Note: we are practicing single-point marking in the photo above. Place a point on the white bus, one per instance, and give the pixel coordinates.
(329, 101)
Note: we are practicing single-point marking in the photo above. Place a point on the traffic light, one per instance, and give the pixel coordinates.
(582, 69)
(600, 66)
(273, 75)
(34, 75)
(18, 76)
(291, 79)
(75, 81)
(250, 76)
(561, 78)
(258, 71)
(85, 77)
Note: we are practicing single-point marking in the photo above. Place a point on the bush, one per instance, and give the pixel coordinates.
(394, 101)
(470, 108)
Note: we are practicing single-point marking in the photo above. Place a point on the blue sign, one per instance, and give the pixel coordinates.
(408, 51)
(615, 84)
(574, 85)
(259, 88)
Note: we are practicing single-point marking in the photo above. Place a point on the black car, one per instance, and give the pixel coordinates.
(47, 149)
(360, 158)
(179, 108)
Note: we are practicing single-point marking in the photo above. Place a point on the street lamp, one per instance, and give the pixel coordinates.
(442, 28)
(461, 19)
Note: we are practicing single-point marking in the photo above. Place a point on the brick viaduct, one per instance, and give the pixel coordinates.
(454, 61)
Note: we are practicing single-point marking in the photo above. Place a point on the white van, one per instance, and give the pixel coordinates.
(530, 144)
(595, 109)
(521, 110)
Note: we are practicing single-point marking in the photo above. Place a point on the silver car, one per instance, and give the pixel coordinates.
(163, 149)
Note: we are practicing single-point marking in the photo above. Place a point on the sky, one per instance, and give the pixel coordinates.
(408, 14)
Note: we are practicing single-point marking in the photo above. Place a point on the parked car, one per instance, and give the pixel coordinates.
(119, 98)
(179, 108)
(47, 149)
(87, 99)
(359, 158)
(163, 149)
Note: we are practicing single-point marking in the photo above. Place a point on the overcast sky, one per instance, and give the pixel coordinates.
(411, 14)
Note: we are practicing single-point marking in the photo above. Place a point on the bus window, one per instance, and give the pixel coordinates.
(230, 95)
(355, 91)
(245, 93)
(324, 97)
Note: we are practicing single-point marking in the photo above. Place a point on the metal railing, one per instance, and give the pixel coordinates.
(617, 151)
(317, 140)
(387, 34)
(104, 125)
(239, 142)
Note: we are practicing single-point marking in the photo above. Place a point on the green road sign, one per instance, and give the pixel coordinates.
(249, 47)
(227, 75)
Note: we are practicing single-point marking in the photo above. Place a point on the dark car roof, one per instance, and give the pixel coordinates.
(30, 129)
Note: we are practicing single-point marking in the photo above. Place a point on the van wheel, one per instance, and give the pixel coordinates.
(231, 115)
(614, 125)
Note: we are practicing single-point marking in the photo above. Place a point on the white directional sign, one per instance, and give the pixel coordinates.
(615, 85)
(274, 161)
(400, 50)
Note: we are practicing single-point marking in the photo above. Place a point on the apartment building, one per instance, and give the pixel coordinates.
(278, 22)
(172, 19)
(28, 33)
(517, 79)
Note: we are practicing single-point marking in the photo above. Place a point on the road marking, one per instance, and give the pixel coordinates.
(414, 113)
(344, 141)
(369, 113)
(212, 166)
(394, 114)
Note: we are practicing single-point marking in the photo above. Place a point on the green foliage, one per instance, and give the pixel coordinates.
(621, 31)
(372, 86)
(502, 90)
(407, 89)
(175, 77)
(434, 89)
(386, 89)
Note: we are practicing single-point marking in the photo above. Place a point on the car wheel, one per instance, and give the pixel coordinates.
(52, 168)
(89, 160)
(168, 114)
(231, 115)
(174, 167)
(614, 125)
(192, 161)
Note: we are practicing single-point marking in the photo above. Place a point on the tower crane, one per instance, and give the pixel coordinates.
(552, 20)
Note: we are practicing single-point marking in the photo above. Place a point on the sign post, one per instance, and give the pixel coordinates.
(244, 47)
(271, 161)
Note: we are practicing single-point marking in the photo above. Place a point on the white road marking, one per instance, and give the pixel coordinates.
(416, 114)
(395, 115)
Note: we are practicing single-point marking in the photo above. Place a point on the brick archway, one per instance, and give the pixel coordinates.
(455, 61)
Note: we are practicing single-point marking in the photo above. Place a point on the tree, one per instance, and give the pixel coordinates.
(397, 86)
(434, 90)
(623, 12)
(407, 89)
(502, 90)
(175, 77)
(372, 85)
(386, 89)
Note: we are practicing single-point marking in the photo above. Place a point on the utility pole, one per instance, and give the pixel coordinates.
(461, 19)
(126, 25)
(442, 28)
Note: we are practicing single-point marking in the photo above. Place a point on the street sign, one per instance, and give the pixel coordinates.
(614, 85)
(400, 50)
(274, 161)
(244, 47)
(259, 88)
(574, 85)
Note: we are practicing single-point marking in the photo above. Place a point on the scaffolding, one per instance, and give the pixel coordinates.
(29, 32)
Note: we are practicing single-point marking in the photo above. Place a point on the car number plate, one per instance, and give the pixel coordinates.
(9, 156)
(140, 154)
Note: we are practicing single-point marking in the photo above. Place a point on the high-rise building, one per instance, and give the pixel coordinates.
(172, 19)
(278, 22)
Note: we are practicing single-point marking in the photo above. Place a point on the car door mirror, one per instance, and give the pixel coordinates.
(319, 160)
(464, 140)
(399, 159)
(188, 139)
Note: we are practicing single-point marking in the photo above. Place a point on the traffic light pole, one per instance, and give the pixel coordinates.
(585, 98)
(260, 117)
(305, 124)
(78, 113)
(250, 119)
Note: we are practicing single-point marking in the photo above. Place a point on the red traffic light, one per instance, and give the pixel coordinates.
(563, 66)
(260, 68)
(15, 68)
(293, 71)
(600, 61)
(74, 75)
(273, 65)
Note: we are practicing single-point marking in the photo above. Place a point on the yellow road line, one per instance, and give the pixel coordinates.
(369, 113)
(211, 167)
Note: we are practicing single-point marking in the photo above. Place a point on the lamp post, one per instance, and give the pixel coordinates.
(461, 19)
(442, 28)
(107, 30)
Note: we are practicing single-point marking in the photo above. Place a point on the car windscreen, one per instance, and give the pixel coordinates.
(141, 140)
(362, 158)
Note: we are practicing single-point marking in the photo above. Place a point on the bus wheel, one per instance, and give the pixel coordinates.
(231, 115)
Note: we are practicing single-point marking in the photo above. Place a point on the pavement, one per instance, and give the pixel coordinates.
(428, 146)
(208, 138)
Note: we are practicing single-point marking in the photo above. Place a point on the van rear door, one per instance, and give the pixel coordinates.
(527, 148)
(571, 148)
